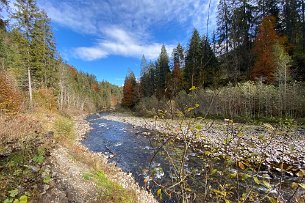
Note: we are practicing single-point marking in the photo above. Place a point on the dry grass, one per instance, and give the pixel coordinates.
(18, 127)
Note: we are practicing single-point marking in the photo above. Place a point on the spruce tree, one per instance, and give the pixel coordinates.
(162, 73)
(177, 76)
(25, 15)
(193, 62)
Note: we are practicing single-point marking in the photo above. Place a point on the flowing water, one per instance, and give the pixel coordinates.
(132, 149)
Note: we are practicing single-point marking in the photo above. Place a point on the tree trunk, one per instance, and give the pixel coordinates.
(30, 87)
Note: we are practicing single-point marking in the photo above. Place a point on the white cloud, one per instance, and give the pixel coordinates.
(120, 42)
(125, 25)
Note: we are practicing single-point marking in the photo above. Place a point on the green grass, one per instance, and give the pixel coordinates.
(64, 127)
(110, 191)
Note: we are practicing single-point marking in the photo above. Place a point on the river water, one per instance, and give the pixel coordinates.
(132, 149)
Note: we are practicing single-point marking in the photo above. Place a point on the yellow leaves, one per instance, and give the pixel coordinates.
(302, 185)
(159, 194)
(233, 175)
(294, 185)
(301, 173)
(222, 193)
(190, 109)
(272, 200)
(268, 126)
(214, 171)
(193, 88)
(241, 166)
(267, 184)
(256, 180)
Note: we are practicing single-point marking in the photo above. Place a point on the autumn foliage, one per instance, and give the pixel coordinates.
(10, 96)
(264, 67)
(130, 91)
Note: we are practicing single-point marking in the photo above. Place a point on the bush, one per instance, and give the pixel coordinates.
(148, 106)
(247, 100)
(10, 96)
(45, 98)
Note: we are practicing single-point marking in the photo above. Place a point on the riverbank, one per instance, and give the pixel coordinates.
(275, 144)
(59, 168)
(79, 170)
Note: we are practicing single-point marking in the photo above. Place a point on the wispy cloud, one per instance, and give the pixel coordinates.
(126, 25)
(120, 42)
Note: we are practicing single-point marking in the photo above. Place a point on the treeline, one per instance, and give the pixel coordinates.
(262, 41)
(31, 67)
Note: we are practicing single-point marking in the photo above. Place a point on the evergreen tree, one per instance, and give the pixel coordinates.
(3, 4)
(162, 73)
(176, 83)
(25, 16)
(223, 24)
(43, 52)
(209, 63)
(193, 62)
(144, 66)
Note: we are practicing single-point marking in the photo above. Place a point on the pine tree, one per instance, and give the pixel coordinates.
(25, 16)
(193, 62)
(209, 63)
(177, 75)
(144, 66)
(43, 52)
(162, 73)
(3, 4)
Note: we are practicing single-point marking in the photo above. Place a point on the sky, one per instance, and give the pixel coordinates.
(106, 37)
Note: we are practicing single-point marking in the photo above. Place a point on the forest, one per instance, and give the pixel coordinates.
(33, 74)
(252, 66)
(220, 119)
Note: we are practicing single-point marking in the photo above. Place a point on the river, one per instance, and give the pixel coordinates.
(132, 149)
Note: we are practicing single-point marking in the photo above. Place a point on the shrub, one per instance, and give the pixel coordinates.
(247, 100)
(10, 96)
(45, 98)
(148, 106)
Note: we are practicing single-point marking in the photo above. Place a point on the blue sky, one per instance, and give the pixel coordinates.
(106, 37)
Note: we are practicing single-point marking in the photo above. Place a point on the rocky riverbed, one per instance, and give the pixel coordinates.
(68, 172)
(280, 147)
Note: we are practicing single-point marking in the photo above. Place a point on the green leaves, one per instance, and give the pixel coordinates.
(12, 197)
(13, 193)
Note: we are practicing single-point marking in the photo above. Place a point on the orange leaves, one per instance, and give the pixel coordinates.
(72, 71)
(130, 91)
(267, 37)
(95, 87)
(10, 97)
